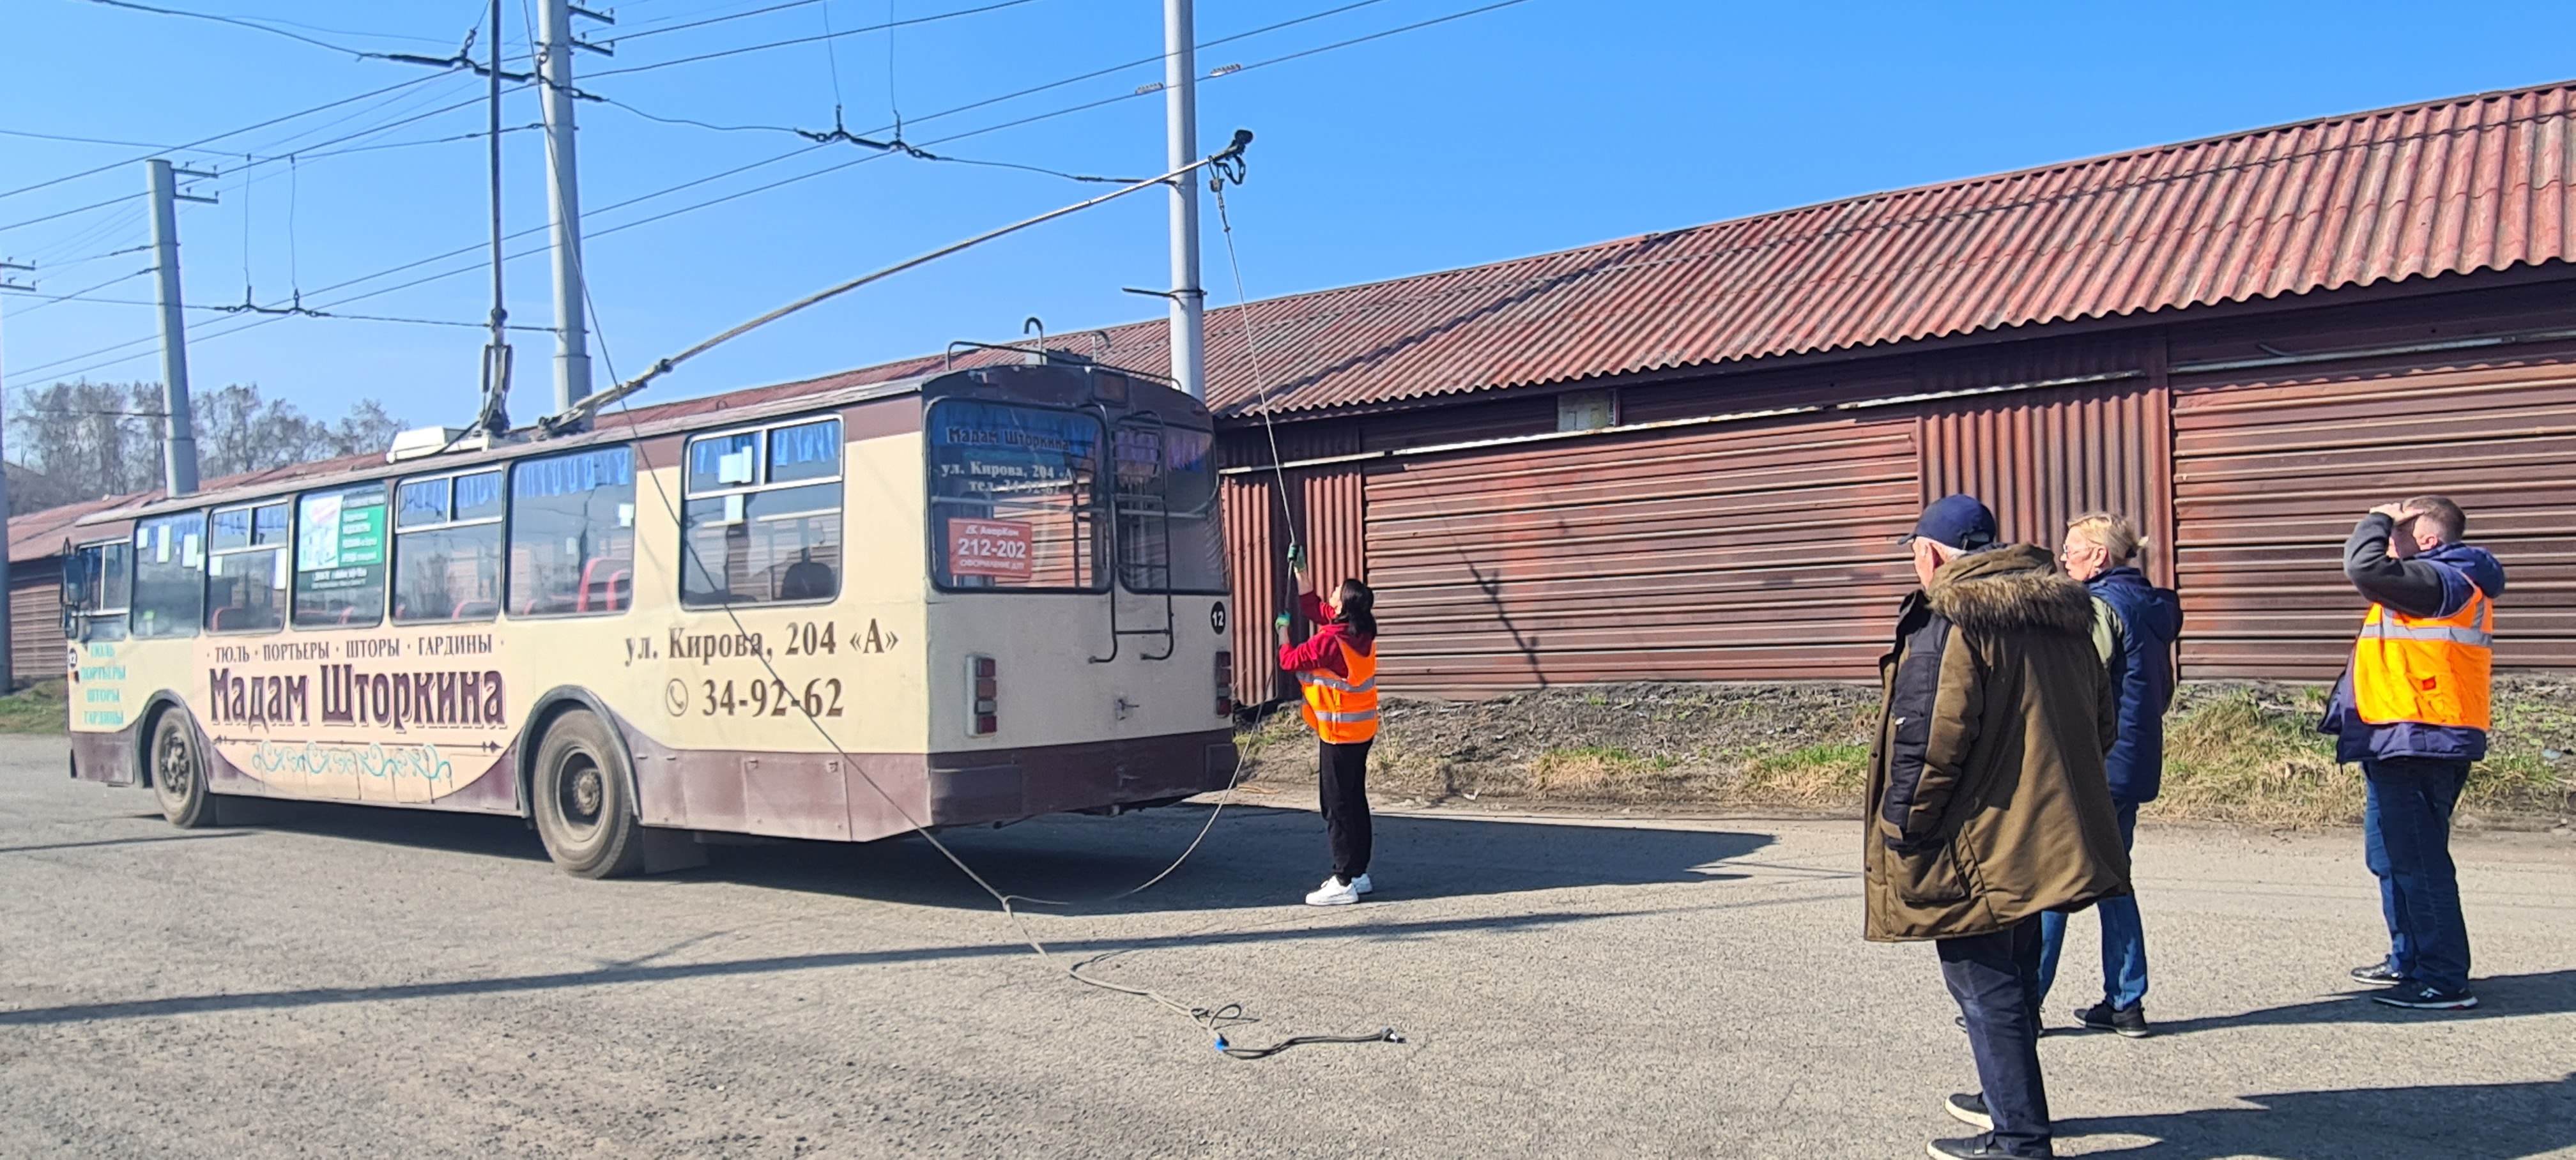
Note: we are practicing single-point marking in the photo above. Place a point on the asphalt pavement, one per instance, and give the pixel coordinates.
(344, 981)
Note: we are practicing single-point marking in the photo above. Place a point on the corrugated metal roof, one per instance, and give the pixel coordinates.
(2445, 187)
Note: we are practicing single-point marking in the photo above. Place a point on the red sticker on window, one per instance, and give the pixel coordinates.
(995, 548)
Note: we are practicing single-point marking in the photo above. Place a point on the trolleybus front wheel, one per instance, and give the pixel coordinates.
(179, 772)
(580, 796)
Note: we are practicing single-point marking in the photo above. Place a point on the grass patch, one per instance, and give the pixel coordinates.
(1592, 771)
(2254, 755)
(1812, 777)
(42, 707)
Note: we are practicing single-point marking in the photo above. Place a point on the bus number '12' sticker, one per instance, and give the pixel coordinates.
(995, 548)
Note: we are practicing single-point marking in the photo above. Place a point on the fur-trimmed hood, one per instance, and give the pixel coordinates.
(2013, 588)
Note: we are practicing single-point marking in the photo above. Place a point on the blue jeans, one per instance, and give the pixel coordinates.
(2406, 840)
(2124, 941)
(1993, 976)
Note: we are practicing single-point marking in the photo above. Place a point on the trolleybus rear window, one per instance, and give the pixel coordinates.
(1169, 538)
(341, 544)
(1014, 498)
(763, 518)
(572, 533)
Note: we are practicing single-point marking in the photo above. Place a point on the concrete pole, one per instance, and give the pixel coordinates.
(178, 433)
(8, 630)
(1181, 124)
(563, 198)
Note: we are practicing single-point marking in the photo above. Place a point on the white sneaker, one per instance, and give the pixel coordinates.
(1362, 885)
(1334, 892)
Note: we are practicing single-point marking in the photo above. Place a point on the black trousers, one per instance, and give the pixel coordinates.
(1995, 978)
(1341, 785)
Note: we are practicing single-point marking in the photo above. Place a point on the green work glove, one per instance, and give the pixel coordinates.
(1297, 558)
(1279, 623)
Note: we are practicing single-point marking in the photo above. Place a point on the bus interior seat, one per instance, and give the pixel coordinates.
(805, 580)
(471, 609)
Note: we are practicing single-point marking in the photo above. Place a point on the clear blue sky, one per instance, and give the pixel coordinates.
(1540, 126)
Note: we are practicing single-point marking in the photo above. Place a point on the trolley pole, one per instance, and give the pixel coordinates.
(563, 198)
(178, 434)
(1181, 147)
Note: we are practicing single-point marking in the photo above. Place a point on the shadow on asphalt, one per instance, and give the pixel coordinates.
(1253, 857)
(648, 972)
(2499, 996)
(2479, 1120)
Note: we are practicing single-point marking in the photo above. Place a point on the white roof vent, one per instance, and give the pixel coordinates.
(422, 442)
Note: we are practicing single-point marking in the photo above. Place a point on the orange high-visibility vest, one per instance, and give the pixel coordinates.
(2431, 670)
(1343, 710)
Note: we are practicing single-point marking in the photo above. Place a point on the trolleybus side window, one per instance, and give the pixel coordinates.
(340, 543)
(98, 583)
(762, 521)
(1169, 537)
(1014, 498)
(447, 548)
(246, 568)
(169, 575)
(572, 534)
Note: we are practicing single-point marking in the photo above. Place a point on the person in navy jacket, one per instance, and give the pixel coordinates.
(2135, 626)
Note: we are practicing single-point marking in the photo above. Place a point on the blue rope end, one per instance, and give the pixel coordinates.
(1220, 1045)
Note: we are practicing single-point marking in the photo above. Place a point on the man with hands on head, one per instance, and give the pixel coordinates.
(2412, 709)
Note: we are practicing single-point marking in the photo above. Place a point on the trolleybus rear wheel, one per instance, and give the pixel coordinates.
(580, 795)
(179, 772)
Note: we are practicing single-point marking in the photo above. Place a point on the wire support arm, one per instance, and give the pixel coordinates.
(1227, 162)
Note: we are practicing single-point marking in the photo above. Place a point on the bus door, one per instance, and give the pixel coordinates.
(1140, 607)
(97, 587)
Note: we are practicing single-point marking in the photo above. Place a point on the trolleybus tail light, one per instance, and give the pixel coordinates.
(1225, 684)
(984, 684)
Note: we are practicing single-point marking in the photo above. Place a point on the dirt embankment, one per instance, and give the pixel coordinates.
(2236, 751)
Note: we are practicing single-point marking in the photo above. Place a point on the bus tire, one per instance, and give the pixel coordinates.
(179, 772)
(579, 793)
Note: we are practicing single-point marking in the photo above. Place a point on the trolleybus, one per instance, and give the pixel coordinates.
(971, 597)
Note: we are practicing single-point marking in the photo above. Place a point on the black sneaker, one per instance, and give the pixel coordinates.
(2377, 975)
(2426, 997)
(2130, 1022)
(1974, 1147)
(1970, 1108)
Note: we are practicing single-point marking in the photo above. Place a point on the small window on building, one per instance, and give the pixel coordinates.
(169, 575)
(1586, 410)
(572, 534)
(763, 518)
(447, 548)
(246, 568)
(340, 543)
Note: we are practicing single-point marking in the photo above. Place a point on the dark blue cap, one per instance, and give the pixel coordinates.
(1956, 521)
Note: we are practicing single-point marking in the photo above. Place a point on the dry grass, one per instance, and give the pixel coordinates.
(2243, 753)
(42, 707)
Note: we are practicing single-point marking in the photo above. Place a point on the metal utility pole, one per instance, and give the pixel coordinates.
(1181, 147)
(495, 416)
(8, 629)
(563, 198)
(178, 434)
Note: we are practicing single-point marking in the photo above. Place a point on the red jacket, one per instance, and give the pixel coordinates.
(1321, 653)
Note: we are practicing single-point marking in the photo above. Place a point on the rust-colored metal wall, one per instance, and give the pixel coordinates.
(2271, 474)
(2042, 457)
(1757, 552)
(1323, 505)
(36, 619)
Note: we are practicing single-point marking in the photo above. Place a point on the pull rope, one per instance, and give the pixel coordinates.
(1260, 378)
(1213, 1022)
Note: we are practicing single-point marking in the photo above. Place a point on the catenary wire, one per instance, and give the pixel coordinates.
(204, 141)
(934, 17)
(42, 368)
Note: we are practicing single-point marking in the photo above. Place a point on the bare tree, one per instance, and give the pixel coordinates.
(82, 440)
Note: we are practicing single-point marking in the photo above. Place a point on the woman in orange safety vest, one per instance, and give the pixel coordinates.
(1337, 669)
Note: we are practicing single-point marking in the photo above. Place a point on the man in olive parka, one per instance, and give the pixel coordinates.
(1988, 798)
